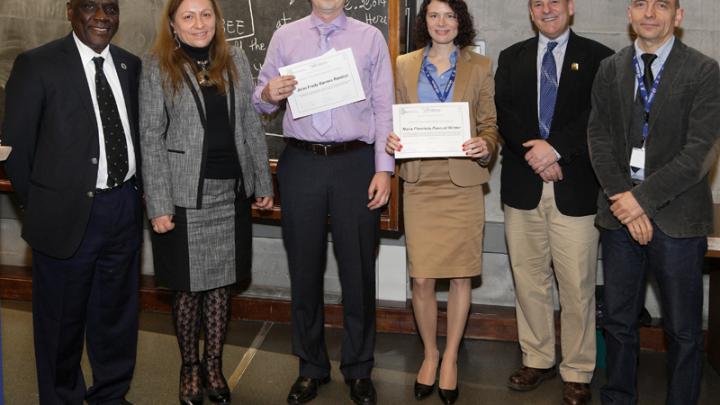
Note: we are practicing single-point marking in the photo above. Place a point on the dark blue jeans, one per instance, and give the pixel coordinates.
(677, 265)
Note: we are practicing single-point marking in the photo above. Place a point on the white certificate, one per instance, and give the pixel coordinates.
(326, 82)
(431, 129)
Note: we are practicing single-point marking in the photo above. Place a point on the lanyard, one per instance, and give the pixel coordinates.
(442, 96)
(648, 98)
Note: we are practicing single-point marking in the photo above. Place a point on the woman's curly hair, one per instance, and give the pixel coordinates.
(466, 30)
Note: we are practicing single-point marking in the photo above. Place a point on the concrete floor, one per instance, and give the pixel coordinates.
(260, 367)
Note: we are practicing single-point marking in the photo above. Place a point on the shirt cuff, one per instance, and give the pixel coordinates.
(384, 162)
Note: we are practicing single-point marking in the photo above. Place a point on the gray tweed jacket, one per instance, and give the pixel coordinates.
(172, 140)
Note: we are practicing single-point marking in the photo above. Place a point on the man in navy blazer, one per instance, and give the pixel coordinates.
(549, 194)
(71, 119)
(653, 137)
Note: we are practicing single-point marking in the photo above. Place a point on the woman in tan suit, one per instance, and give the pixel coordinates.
(443, 198)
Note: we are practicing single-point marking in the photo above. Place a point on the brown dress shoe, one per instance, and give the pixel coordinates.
(576, 394)
(528, 378)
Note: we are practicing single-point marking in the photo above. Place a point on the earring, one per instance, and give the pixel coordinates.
(177, 41)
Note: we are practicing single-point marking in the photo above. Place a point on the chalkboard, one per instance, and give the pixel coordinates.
(249, 24)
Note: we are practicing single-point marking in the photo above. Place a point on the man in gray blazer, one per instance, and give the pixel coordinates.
(653, 135)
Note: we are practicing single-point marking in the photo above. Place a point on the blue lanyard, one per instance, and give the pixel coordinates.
(442, 96)
(647, 98)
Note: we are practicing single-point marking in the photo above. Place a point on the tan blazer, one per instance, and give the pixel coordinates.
(473, 83)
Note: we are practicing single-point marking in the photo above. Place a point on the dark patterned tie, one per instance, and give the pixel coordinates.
(548, 90)
(116, 151)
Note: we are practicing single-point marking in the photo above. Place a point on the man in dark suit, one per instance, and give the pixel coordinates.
(71, 118)
(653, 137)
(549, 191)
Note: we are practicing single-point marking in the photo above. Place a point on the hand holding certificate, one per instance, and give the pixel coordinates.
(431, 129)
(323, 83)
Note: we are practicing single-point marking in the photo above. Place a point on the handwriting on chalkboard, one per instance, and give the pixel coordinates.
(250, 24)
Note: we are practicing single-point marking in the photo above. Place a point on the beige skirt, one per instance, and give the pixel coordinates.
(443, 224)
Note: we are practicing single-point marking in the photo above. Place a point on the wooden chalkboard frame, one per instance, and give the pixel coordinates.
(390, 215)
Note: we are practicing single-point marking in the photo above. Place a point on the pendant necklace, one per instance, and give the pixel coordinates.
(203, 76)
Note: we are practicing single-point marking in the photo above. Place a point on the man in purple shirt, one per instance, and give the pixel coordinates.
(334, 164)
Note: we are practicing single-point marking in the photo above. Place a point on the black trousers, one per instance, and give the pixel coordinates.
(91, 296)
(677, 265)
(313, 187)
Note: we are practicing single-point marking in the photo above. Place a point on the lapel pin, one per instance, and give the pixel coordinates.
(575, 66)
(124, 66)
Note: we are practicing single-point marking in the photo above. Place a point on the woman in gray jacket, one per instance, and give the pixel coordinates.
(203, 155)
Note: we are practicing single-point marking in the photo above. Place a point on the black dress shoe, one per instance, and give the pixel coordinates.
(305, 389)
(191, 400)
(221, 396)
(423, 391)
(362, 391)
(448, 396)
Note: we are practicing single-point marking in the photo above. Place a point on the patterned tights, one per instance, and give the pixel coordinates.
(188, 308)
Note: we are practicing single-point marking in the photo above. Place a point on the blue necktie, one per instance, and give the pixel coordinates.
(548, 90)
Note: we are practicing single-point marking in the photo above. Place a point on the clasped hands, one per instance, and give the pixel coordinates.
(543, 160)
(629, 212)
(475, 147)
(164, 223)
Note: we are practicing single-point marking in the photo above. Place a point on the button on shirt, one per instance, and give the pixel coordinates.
(369, 120)
(86, 56)
(426, 93)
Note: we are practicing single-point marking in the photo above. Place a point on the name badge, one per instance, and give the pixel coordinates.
(637, 158)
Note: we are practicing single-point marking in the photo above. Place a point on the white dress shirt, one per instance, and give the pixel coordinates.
(86, 56)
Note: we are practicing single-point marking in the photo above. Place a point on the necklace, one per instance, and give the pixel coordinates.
(203, 76)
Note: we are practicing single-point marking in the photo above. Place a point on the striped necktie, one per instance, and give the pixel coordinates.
(548, 90)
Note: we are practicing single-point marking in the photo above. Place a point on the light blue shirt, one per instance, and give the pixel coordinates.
(426, 93)
(662, 54)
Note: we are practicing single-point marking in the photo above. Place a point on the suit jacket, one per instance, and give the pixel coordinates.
(50, 123)
(173, 139)
(681, 147)
(474, 84)
(516, 101)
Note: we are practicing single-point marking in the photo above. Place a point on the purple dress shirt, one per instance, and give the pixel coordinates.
(369, 120)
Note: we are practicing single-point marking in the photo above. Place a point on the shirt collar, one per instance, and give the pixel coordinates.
(662, 53)
(339, 21)
(87, 54)
(561, 40)
(453, 56)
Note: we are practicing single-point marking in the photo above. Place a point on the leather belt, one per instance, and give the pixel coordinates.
(325, 149)
(105, 190)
